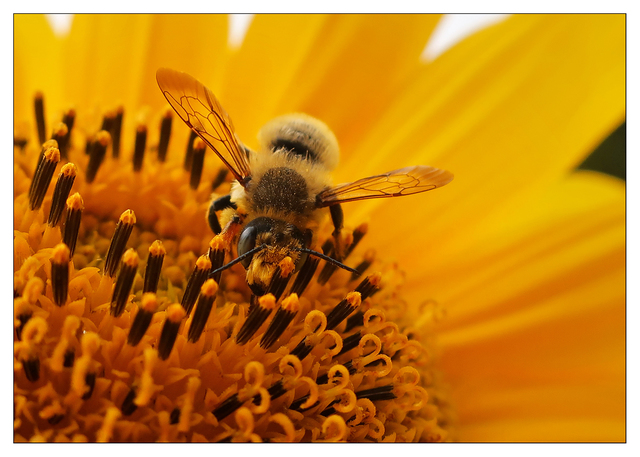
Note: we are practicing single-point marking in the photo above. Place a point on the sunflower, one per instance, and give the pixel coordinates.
(489, 310)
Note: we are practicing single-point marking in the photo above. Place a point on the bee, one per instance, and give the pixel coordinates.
(284, 187)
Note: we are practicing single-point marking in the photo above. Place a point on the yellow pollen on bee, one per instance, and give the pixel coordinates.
(286, 267)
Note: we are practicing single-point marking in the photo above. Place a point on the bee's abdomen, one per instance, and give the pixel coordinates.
(281, 189)
(297, 147)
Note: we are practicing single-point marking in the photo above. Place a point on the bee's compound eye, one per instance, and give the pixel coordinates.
(246, 243)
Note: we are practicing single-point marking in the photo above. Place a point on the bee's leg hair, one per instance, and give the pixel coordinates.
(217, 205)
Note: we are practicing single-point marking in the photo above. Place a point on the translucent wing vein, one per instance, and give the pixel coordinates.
(396, 183)
(198, 107)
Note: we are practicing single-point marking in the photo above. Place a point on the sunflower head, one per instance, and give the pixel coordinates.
(130, 327)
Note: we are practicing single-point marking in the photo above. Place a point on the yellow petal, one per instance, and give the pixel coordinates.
(112, 58)
(193, 43)
(103, 59)
(36, 66)
(542, 317)
(259, 73)
(355, 68)
(509, 109)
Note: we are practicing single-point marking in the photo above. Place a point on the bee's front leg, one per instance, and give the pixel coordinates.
(337, 217)
(218, 205)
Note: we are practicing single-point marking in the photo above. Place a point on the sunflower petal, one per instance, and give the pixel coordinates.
(546, 319)
(511, 108)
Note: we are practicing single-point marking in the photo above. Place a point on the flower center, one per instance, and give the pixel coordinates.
(125, 333)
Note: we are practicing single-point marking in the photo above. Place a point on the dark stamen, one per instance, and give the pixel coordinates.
(330, 410)
(203, 309)
(165, 134)
(42, 177)
(355, 320)
(175, 313)
(71, 226)
(69, 358)
(218, 180)
(343, 309)
(107, 121)
(154, 266)
(187, 158)
(23, 318)
(359, 233)
(141, 322)
(281, 321)
(197, 162)
(324, 379)
(55, 419)
(296, 405)
(97, 150)
(216, 255)
(328, 248)
(304, 275)
(350, 342)
(328, 269)
(90, 381)
(276, 390)
(253, 302)
(377, 393)
(32, 368)
(68, 119)
(256, 318)
(39, 110)
(369, 285)
(64, 183)
(174, 417)
(124, 281)
(119, 242)
(367, 260)
(116, 132)
(302, 349)
(280, 277)
(60, 134)
(60, 273)
(45, 146)
(128, 406)
(227, 407)
(21, 142)
(141, 144)
(196, 279)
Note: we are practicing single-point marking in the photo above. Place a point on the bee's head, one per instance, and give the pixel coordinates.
(280, 240)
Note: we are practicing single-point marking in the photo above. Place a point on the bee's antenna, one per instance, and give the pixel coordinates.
(328, 259)
(238, 259)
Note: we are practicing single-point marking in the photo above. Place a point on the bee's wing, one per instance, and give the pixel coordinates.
(396, 183)
(202, 112)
